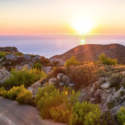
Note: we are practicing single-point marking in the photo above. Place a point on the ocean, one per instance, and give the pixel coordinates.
(49, 46)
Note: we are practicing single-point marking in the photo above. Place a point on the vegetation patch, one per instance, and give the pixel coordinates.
(37, 66)
(108, 61)
(23, 77)
(72, 62)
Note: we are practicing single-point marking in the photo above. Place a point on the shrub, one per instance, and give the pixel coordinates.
(23, 77)
(107, 119)
(121, 116)
(37, 66)
(71, 62)
(14, 92)
(84, 114)
(19, 54)
(115, 79)
(44, 61)
(50, 99)
(3, 54)
(1, 89)
(60, 113)
(4, 93)
(122, 93)
(24, 97)
(82, 75)
(103, 59)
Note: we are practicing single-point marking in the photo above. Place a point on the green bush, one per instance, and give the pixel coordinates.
(108, 61)
(1, 89)
(84, 113)
(122, 93)
(24, 97)
(37, 66)
(60, 113)
(71, 62)
(50, 99)
(121, 116)
(23, 77)
(4, 93)
(19, 54)
(21, 94)
(3, 54)
(115, 79)
(14, 92)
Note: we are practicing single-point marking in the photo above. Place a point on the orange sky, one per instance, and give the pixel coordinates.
(37, 17)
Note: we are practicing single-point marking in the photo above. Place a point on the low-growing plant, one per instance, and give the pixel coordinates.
(14, 92)
(115, 79)
(24, 97)
(83, 75)
(23, 77)
(107, 119)
(121, 116)
(60, 113)
(108, 61)
(122, 93)
(49, 99)
(1, 89)
(3, 54)
(4, 93)
(84, 113)
(19, 54)
(37, 66)
(44, 61)
(72, 62)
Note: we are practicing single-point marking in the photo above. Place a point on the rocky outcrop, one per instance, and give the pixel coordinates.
(47, 69)
(4, 74)
(57, 62)
(9, 49)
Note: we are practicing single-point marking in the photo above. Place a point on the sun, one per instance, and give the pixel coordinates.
(82, 42)
(83, 26)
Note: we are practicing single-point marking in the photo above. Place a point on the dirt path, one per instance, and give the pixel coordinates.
(11, 113)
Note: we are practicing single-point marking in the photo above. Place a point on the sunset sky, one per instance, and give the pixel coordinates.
(36, 17)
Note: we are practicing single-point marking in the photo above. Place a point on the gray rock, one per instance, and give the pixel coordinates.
(65, 78)
(59, 76)
(1, 59)
(47, 69)
(53, 81)
(10, 57)
(4, 74)
(61, 84)
(34, 87)
(71, 85)
(105, 85)
(60, 62)
(27, 57)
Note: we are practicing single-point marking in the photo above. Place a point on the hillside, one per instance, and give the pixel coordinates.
(91, 52)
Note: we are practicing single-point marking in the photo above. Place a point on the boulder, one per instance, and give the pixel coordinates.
(10, 57)
(20, 67)
(47, 69)
(4, 74)
(53, 81)
(36, 59)
(105, 85)
(27, 57)
(59, 61)
(96, 85)
(34, 87)
(61, 83)
(59, 76)
(65, 78)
